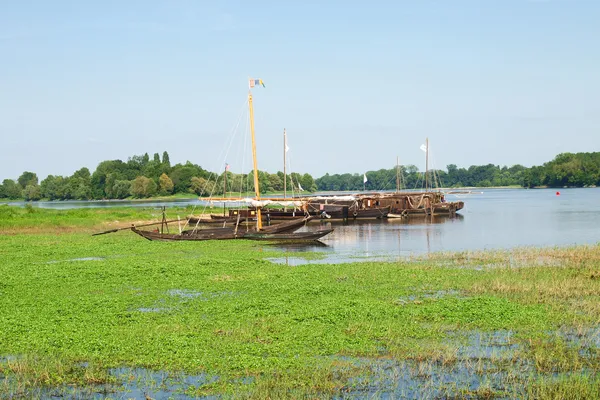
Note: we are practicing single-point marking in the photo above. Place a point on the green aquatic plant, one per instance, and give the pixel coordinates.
(222, 309)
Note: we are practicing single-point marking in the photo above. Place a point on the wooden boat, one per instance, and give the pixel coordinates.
(223, 233)
(407, 204)
(289, 237)
(287, 226)
(352, 210)
(377, 212)
(444, 208)
(200, 234)
(270, 232)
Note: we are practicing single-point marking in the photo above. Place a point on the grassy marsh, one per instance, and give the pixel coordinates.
(74, 309)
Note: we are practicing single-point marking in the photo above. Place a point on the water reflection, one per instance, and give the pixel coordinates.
(356, 240)
(493, 219)
(496, 219)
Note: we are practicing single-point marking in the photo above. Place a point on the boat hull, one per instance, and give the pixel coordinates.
(449, 209)
(289, 237)
(221, 233)
(355, 214)
(202, 234)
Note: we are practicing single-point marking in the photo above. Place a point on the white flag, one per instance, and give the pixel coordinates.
(424, 148)
(364, 178)
(286, 148)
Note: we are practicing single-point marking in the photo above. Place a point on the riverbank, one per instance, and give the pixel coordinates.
(118, 315)
(16, 220)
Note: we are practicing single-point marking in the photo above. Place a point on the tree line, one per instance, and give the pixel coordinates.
(566, 170)
(142, 177)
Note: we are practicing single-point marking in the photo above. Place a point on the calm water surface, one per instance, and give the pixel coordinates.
(495, 219)
(491, 219)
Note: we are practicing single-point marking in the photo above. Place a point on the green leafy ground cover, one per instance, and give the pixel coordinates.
(74, 306)
(85, 220)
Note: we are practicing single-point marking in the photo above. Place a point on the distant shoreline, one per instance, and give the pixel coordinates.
(190, 198)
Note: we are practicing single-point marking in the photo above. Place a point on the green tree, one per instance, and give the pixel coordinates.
(308, 183)
(165, 184)
(121, 189)
(53, 187)
(165, 160)
(200, 186)
(82, 173)
(275, 182)
(12, 189)
(79, 188)
(181, 175)
(110, 171)
(27, 178)
(32, 192)
(143, 187)
(136, 164)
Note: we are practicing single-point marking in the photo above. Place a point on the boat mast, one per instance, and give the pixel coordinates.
(284, 174)
(397, 174)
(224, 187)
(426, 164)
(256, 188)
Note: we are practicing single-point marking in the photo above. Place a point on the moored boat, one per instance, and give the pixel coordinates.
(193, 235)
(260, 231)
(289, 237)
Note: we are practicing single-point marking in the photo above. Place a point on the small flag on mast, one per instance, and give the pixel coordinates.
(286, 148)
(424, 148)
(364, 178)
(226, 167)
(254, 82)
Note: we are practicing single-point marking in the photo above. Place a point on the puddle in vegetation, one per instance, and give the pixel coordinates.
(293, 261)
(186, 294)
(192, 294)
(426, 296)
(474, 365)
(471, 365)
(183, 295)
(585, 338)
(130, 383)
(152, 309)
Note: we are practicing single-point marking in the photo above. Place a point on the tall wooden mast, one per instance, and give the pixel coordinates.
(256, 187)
(224, 187)
(426, 164)
(284, 173)
(397, 174)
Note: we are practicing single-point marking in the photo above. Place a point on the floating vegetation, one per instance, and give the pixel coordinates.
(219, 319)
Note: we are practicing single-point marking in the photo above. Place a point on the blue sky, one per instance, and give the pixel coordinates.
(355, 85)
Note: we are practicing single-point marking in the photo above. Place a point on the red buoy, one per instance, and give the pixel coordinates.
(558, 193)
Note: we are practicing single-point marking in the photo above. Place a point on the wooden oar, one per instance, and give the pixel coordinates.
(129, 227)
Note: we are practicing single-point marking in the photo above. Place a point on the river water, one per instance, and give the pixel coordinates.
(491, 219)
